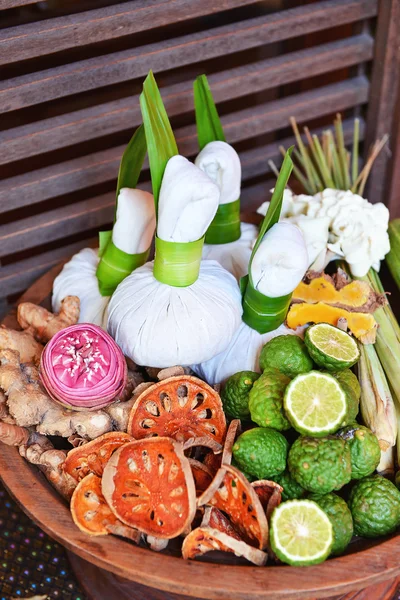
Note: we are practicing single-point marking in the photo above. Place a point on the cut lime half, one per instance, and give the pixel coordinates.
(315, 404)
(330, 347)
(301, 533)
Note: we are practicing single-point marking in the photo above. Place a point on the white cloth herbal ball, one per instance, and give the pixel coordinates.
(281, 261)
(78, 278)
(234, 256)
(242, 354)
(222, 164)
(159, 325)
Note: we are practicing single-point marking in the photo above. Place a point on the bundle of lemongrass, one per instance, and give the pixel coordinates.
(326, 163)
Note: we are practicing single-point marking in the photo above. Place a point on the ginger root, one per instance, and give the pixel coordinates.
(50, 462)
(43, 324)
(13, 435)
(362, 325)
(120, 411)
(30, 406)
(23, 342)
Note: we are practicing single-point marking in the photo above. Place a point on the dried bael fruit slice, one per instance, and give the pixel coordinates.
(180, 407)
(149, 485)
(206, 539)
(83, 368)
(201, 474)
(237, 498)
(92, 514)
(93, 456)
(215, 519)
(233, 430)
(269, 493)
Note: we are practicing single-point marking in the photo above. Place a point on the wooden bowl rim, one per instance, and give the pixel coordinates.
(173, 574)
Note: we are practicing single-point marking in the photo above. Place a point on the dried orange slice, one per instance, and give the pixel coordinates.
(201, 474)
(92, 514)
(93, 456)
(181, 407)
(149, 485)
(269, 493)
(206, 539)
(232, 493)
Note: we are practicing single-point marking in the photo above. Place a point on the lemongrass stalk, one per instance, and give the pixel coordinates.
(313, 156)
(393, 258)
(299, 175)
(376, 403)
(363, 176)
(386, 464)
(304, 154)
(354, 158)
(342, 151)
(336, 171)
(322, 164)
(387, 343)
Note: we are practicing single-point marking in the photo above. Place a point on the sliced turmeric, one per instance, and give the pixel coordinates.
(362, 325)
(338, 291)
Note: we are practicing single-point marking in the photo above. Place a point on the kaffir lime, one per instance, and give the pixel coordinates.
(288, 354)
(266, 400)
(301, 533)
(315, 403)
(375, 506)
(351, 387)
(235, 395)
(261, 452)
(291, 489)
(340, 516)
(320, 465)
(330, 347)
(364, 449)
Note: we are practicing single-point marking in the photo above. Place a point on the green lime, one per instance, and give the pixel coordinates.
(364, 449)
(315, 403)
(261, 452)
(266, 400)
(340, 517)
(375, 505)
(330, 347)
(245, 473)
(320, 465)
(301, 533)
(235, 395)
(288, 354)
(291, 489)
(351, 387)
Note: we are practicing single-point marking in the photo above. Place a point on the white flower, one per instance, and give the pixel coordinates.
(222, 165)
(281, 261)
(292, 205)
(188, 202)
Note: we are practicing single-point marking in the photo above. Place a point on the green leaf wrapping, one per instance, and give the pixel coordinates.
(209, 128)
(115, 264)
(261, 312)
(161, 144)
(225, 227)
(177, 263)
(132, 162)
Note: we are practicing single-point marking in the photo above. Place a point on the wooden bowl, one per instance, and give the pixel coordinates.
(365, 564)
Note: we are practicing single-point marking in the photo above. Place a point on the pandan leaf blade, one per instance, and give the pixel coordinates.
(208, 123)
(132, 161)
(161, 144)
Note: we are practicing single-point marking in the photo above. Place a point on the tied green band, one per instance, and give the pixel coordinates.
(115, 265)
(263, 313)
(225, 227)
(177, 263)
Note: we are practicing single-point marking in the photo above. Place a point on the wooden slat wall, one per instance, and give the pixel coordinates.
(70, 80)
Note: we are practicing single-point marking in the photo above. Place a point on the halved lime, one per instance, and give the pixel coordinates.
(315, 403)
(301, 533)
(330, 347)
